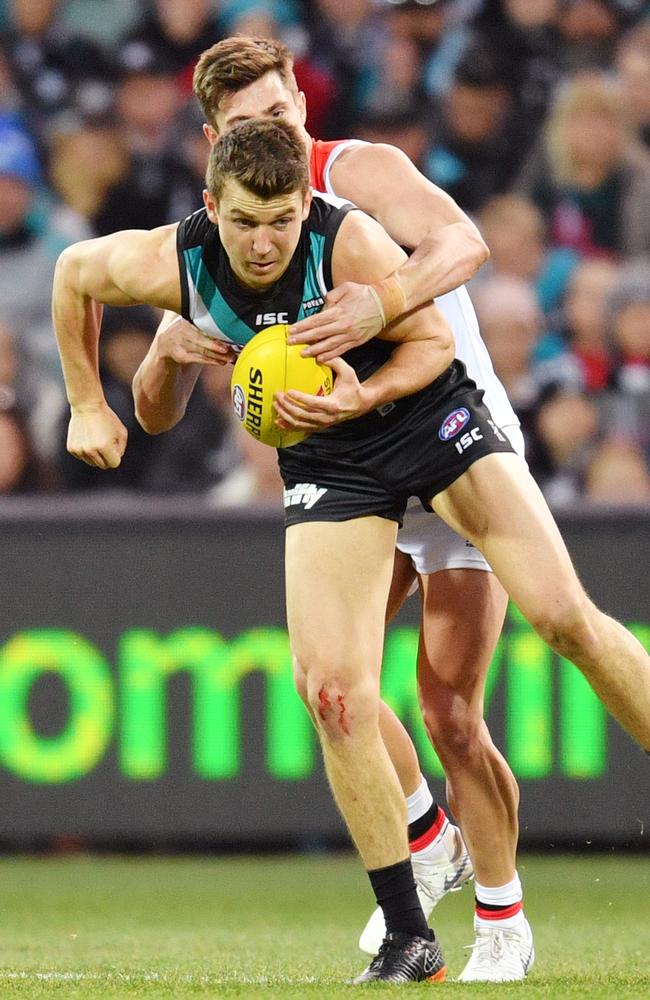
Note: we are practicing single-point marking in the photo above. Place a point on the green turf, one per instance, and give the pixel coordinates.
(278, 927)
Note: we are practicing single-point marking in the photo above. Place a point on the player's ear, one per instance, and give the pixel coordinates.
(306, 203)
(211, 206)
(210, 133)
(301, 102)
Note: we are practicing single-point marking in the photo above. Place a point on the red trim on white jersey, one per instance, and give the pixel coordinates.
(323, 155)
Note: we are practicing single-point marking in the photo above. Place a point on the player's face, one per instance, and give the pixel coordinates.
(259, 235)
(270, 98)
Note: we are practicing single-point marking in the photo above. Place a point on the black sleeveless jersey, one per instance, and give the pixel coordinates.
(218, 304)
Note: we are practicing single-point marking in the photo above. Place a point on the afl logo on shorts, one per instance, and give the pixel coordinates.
(239, 402)
(453, 423)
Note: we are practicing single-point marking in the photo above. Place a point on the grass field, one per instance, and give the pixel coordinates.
(286, 927)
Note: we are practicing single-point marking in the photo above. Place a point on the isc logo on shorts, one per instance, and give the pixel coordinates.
(453, 423)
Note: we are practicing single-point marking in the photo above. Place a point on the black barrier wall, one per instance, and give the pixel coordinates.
(146, 690)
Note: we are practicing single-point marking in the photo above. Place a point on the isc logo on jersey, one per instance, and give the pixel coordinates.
(269, 319)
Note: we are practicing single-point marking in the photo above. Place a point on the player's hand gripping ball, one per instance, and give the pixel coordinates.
(268, 365)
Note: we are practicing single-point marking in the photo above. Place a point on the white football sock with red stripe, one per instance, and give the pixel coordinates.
(499, 906)
(438, 841)
(418, 803)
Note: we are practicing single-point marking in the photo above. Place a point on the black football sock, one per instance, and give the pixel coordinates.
(395, 892)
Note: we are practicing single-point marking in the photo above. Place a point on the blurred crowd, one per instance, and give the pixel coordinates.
(533, 114)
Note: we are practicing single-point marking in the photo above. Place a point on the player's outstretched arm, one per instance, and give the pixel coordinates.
(166, 378)
(449, 249)
(425, 345)
(124, 268)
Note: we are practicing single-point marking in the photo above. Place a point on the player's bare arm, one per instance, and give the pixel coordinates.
(449, 249)
(166, 378)
(364, 253)
(121, 269)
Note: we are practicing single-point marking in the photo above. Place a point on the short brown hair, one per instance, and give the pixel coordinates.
(233, 64)
(268, 158)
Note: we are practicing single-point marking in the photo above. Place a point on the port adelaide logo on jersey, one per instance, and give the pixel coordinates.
(312, 306)
(453, 423)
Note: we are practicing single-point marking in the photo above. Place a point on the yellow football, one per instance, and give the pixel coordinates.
(268, 365)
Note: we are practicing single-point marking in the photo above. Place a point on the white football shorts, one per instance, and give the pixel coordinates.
(432, 544)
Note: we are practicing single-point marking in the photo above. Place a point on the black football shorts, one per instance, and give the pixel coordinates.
(416, 447)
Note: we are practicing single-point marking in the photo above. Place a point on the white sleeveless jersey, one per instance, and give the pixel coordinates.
(459, 312)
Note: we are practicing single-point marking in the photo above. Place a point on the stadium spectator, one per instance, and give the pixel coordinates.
(55, 64)
(585, 321)
(344, 42)
(405, 130)
(11, 100)
(589, 176)
(396, 86)
(514, 229)
(8, 368)
(16, 460)
(629, 310)
(478, 141)
(633, 69)
(158, 185)
(86, 160)
(19, 467)
(512, 326)
(626, 407)
(36, 397)
(32, 234)
(618, 475)
(526, 32)
(566, 432)
(174, 31)
(589, 30)
(148, 96)
(101, 21)
(414, 53)
(420, 23)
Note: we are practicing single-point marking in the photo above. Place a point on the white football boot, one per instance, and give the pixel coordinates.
(433, 879)
(500, 955)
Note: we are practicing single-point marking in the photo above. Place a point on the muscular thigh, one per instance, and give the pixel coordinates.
(337, 579)
(498, 506)
(431, 544)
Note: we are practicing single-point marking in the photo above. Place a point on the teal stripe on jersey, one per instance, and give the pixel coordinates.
(227, 321)
(312, 287)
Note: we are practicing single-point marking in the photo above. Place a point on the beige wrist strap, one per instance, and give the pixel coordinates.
(390, 298)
